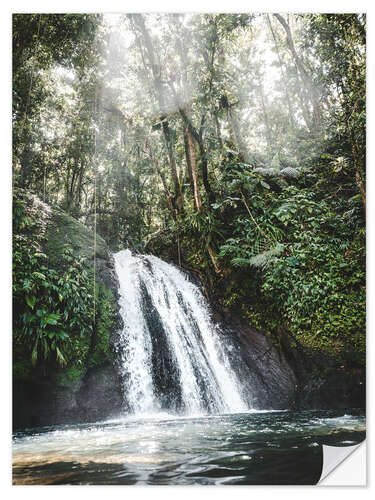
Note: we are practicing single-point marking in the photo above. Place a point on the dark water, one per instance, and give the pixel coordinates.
(247, 448)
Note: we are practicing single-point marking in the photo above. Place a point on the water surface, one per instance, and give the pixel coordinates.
(272, 447)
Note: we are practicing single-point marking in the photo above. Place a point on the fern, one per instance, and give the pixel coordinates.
(261, 259)
(290, 172)
(266, 171)
(60, 357)
(265, 258)
(240, 262)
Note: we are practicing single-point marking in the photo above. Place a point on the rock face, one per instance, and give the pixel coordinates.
(265, 373)
(337, 389)
(96, 397)
(284, 378)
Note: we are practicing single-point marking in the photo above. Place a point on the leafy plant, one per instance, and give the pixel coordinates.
(53, 308)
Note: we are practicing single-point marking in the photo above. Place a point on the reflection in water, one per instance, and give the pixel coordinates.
(247, 448)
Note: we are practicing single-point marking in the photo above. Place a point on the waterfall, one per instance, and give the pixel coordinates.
(172, 355)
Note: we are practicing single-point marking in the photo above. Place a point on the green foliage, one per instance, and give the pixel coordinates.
(67, 231)
(274, 219)
(102, 351)
(43, 45)
(52, 309)
(264, 259)
(317, 284)
(71, 375)
(53, 306)
(300, 255)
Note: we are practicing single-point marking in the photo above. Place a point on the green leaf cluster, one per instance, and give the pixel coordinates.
(53, 321)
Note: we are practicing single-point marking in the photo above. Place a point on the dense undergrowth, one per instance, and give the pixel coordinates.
(290, 257)
(54, 330)
(188, 148)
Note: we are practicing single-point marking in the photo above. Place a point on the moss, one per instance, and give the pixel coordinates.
(102, 350)
(71, 375)
(22, 370)
(64, 230)
(60, 275)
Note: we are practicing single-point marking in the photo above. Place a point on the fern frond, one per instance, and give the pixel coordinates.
(266, 171)
(265, 258)
(240, 262)
(34, 352)
(290, 172)
(60, 357)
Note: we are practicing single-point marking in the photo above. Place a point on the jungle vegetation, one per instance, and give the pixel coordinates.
(233, 145)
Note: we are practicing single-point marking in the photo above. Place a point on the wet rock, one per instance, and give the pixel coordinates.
(42, 403)
(263, 370)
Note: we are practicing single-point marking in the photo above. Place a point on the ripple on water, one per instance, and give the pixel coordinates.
(226, 449)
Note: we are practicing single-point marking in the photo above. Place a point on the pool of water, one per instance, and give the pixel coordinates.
(271, 447)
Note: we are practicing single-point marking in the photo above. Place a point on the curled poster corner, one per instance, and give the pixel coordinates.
(333, 456)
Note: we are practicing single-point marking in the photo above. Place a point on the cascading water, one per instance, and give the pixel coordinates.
(171, 353)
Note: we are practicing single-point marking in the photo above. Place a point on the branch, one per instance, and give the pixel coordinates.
(252, 218)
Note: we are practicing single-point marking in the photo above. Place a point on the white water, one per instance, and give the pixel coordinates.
(169, 338)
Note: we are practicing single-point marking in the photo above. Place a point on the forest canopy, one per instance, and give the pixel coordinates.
(231, 144)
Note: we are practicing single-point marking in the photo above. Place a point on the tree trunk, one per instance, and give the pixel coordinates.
(159, 173)
(218, 130)
(267, 123)
(202, 153)
(361, 187)
(172, 163)
(213, 260)
(235, 133)
(138, 20)
(302, 70)
(192, 160)
(287, 96)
